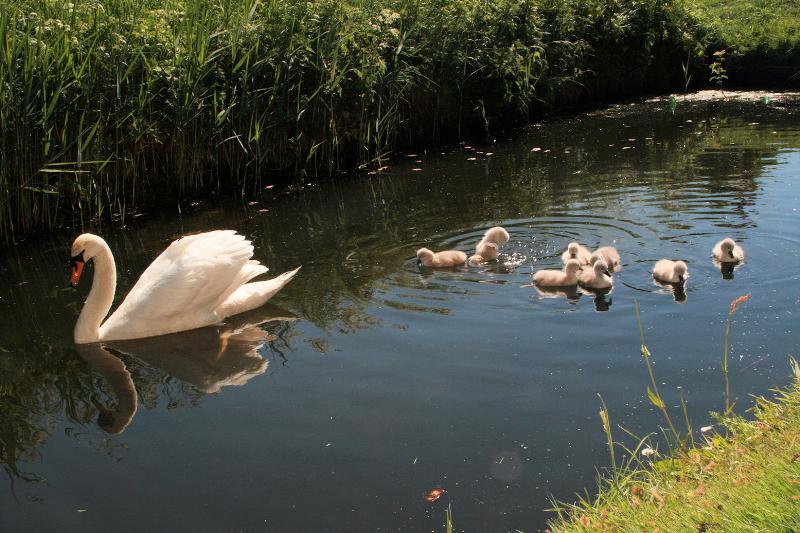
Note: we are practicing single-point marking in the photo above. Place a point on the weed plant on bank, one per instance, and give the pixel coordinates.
(105, 105)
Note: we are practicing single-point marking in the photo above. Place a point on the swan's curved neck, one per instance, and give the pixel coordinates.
(100, 298)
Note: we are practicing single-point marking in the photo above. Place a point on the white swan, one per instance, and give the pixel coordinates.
(727, 251)
(576, 251)
(557, 278)
(197, 281)
(670, 271)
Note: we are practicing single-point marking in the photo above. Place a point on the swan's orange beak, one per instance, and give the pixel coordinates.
(76, 263)
(77, 268)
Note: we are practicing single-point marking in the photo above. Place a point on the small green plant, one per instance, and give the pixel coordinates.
(687, 77)
(719, 74)
(673, 437)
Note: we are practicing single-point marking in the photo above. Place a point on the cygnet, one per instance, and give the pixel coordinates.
(608, 254)
(484, 252)
(576, 251)
(597, 277)
(489, 246)
(447, 258)
(558, 278)
(727, 251)
(670, 271)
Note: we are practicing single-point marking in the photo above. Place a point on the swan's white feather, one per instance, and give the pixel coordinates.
(185, 285)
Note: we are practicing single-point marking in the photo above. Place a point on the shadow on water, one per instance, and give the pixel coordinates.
(464, 373)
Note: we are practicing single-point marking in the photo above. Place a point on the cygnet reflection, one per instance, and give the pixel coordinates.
(678, 290)
(602, 297)
(726, 269)
(571, 293)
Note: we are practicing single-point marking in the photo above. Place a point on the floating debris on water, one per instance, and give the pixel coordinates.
(434, 494)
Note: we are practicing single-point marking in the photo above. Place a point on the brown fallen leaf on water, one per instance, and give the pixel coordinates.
(434, 494)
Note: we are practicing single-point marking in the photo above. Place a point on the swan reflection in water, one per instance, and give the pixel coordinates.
(208, 358)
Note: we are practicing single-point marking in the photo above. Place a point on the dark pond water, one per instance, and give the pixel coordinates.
(368, 382)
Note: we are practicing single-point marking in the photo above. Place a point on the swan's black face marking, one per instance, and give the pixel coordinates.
(75, 259)
(76, 263)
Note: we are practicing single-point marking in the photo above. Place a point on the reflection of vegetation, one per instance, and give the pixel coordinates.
(33, 386)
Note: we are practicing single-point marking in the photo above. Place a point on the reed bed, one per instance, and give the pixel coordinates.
(108, 105)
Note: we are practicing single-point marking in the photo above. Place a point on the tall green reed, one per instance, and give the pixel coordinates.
(108, 106)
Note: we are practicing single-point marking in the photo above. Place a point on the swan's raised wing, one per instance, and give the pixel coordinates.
(183, 286)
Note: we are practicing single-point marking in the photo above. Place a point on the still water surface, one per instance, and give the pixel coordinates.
(366, 382)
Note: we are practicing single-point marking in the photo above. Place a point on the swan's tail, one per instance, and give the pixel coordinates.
(252, 295)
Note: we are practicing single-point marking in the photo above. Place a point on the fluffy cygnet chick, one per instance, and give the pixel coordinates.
(670, 271)
(610, 255)
(558, 278)
(727, 251)
(597, 277)
(489, 247)
(576, 251)
(448, 258)
(485, 251)
(497, 235)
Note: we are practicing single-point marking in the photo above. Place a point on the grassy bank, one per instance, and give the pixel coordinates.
(745, 476)
(761, 38)
(739, 475)
(108, 105)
